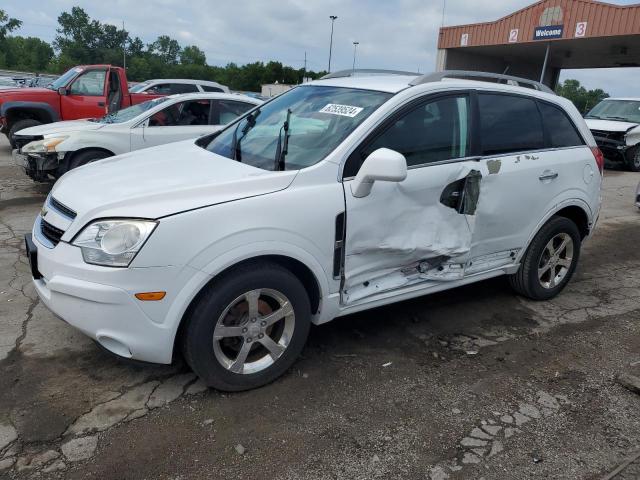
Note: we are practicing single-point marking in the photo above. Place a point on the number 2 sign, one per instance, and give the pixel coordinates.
(581, 29)
(513, 36)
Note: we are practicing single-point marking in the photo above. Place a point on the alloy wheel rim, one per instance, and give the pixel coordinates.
(555, 260)
(253, 331)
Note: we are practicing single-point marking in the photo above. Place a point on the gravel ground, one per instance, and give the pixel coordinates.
(471, 383)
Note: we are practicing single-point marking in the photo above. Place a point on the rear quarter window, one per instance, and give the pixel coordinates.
(560, 129)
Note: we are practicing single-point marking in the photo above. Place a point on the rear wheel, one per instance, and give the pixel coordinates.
(247, 328)
(550, 260)
(21, 125)
(633, 159)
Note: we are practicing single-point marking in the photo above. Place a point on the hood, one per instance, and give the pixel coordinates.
(609, 125)
(61, 127)
(160, 181)
(27, 94)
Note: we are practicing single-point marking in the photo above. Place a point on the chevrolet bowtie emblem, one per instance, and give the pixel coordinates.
(43, 211)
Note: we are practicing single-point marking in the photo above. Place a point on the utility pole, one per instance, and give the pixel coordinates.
(124, 48)
(304, 70)
(355, 47)
(333, 19)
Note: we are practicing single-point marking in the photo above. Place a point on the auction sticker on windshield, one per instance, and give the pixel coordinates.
(343, 110)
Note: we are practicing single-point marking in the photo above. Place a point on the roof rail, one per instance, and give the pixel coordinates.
(482, 76)
(365, 72)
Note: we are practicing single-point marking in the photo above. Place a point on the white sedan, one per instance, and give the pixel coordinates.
(55, 148)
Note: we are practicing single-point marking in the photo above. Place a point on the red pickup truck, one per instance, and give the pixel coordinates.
(85, 91)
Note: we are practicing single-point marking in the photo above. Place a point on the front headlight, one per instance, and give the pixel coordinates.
(46, 145)
(113, 243)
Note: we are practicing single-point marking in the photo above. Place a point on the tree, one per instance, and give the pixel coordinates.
(192, 55)
(166, 48)
(7, 24)
(583, 99)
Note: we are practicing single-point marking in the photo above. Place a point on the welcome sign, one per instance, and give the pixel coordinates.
(548, 32)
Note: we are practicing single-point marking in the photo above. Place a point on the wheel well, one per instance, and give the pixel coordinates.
(70, 155)
(18, 114)
(578, 216)
(299, 269)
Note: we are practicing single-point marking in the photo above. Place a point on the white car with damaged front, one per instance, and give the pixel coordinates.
(615, 124)
(53, 149)
(338, 196)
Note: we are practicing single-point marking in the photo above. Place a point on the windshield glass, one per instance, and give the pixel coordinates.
(624, 110)
(64, 79)
(138, 87)
(129, 113)
(320, 118)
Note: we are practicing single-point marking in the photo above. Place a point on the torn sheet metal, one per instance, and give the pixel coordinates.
(400, 225)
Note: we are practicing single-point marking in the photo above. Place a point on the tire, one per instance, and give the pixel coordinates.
(21, 125)
(527, 281)
(633, 159)
(85, 157)
(224, 305)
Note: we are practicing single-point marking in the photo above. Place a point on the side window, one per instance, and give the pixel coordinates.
(209, 88)
(509, 124)
(160, 89)
(193, 112)
(230, 110)
(431, 132)
(182, 88)
(90, 83)
(561, 130)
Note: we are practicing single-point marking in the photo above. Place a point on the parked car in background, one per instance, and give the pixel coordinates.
(82, 92)
(615, 124)
(166, 86)
(637, 199)
(338, 196)
(54, 149)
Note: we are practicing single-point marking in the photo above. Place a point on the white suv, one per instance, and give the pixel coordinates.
(338, 196)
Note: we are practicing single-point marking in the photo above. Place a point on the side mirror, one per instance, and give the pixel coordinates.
(63, 91)
(384, 165)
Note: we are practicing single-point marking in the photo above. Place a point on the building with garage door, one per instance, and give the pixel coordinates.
(539, 41)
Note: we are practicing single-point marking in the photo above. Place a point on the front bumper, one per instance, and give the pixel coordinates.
(612, 148)
(100, 301)
(37, 166)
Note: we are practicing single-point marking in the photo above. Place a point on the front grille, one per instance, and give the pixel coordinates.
(63, 209)
(617, 136)
(22, 140)
(51, 233)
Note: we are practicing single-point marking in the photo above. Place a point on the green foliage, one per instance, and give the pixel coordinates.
(82, 40)
(583, 99)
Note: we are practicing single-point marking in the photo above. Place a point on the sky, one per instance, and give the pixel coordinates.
(392, 34)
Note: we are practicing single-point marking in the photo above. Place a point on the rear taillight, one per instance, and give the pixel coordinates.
(599, 159)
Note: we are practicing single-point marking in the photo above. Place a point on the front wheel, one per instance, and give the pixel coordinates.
(550, 260)
(633, 159)
(247, 328)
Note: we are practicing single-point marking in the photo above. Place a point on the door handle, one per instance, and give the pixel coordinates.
(548, 175)
(101, 104)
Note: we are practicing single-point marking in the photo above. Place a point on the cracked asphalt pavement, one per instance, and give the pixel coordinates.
(471, 383)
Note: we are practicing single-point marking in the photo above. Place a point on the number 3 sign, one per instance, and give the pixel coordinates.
(581, 29)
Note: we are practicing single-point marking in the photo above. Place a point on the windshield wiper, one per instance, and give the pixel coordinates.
(283, 146)
(593, 116)
(235, 141)
(617, 118)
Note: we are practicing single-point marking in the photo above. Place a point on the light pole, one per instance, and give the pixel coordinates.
(355, 47)
(333, 19)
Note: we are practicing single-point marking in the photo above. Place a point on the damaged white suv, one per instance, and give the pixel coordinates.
(338, 196)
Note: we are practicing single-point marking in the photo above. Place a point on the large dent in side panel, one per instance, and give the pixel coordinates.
(411, 234)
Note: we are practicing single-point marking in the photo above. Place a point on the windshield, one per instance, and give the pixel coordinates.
(138, 87)
(319, 119)
(64, 79)
(129, 113)
(624, 110)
